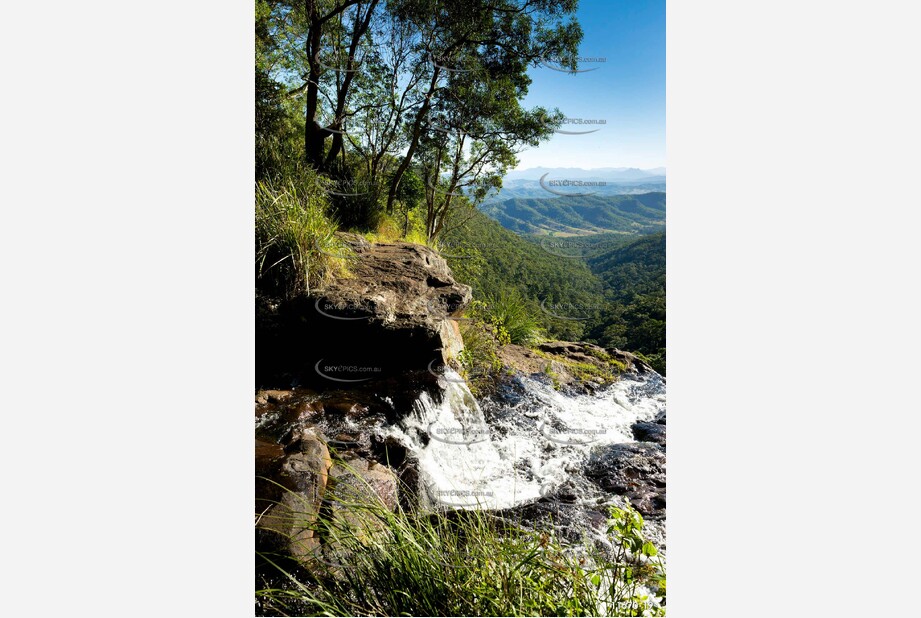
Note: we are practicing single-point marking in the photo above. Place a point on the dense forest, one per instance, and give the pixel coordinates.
(607, 289)
(410, 108)
(493, 259)
(643, 213)
(634, 283)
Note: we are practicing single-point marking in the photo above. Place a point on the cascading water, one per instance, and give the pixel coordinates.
(522, 448)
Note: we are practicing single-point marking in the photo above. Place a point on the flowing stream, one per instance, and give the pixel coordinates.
(522, 446)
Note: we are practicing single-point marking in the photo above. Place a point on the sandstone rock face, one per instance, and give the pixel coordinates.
(322, 499)
(391, 313)
(399, 284)
(636, 471)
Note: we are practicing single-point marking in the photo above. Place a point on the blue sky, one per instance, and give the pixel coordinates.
(627, 90)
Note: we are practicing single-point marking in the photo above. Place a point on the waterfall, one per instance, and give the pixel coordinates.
(522, 450)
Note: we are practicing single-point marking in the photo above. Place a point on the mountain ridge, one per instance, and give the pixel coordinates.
(642, 213)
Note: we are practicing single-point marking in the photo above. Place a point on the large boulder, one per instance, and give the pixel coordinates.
(645, 431)
(360, 480)
(400, 285)
(291, 522)
(581, 352)
(392, 312)
(358, 488)
(576, 367)
(633, 470)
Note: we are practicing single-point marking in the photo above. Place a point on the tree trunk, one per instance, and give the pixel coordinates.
(314, 134)
(361, 26)
(414, 142)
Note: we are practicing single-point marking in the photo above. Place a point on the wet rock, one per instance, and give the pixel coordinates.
(272, 396)
(635, 471)
(389, 450)
(307, 410)
(356, 488)
(278, 421)
(291, 522)
(268, 463)
(410, 484)
(358, 479)
(268, 456)
(347, 440)
(347, 408)
(649, 432)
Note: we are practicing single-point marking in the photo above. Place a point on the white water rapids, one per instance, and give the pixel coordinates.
(517, 452)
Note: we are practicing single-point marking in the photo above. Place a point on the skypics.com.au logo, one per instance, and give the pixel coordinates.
(563, 64)
(547, 184)
(345, 373)
(580, 122)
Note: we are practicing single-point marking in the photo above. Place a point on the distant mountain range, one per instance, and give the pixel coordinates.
(610, 173)
(578, 216)
(540, 182)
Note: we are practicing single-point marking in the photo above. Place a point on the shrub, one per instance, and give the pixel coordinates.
(479, 359)
(513, 318)
(465, 563)
(414, 227)
(296, 247)
(355, 199)
(387, 230)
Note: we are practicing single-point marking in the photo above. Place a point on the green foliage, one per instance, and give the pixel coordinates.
(278, 131)
(513, 319)
(656, 361)
(618, 289)
(608, 371)
(355, 198)
(554, 376)
(410, 197)
(481, 366)
(467, 563)
(414, 231)
(398, 105)
(634, 564)
(296, 246)
(637, 267)
(634, 278)
(493, 261)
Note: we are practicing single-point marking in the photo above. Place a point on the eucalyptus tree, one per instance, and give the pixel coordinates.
(476, 129)
(491, 41)
(383, 79)
(316, 47)
(386, 91)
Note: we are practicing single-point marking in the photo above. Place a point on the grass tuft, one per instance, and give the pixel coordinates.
(296, 246)
(510, 313)
(464, 563)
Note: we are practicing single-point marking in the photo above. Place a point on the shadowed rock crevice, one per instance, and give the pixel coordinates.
(391, 313)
